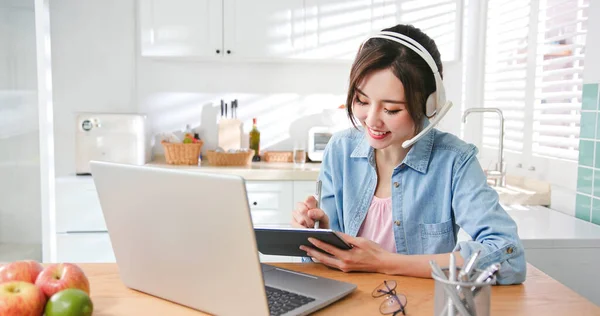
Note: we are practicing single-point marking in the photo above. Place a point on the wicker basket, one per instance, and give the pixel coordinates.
(229, 159)
(181, 153)
(278, 156)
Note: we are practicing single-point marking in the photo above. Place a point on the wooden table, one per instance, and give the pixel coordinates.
(539, 295)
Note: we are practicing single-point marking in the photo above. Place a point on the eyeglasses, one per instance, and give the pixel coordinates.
(394, 303)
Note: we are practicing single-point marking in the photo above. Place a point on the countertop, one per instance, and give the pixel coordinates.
(541, 227)
(539, 295)
(257, 171)
(518, 190)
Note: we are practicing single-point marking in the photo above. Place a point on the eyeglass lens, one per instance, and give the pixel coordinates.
(393, 304)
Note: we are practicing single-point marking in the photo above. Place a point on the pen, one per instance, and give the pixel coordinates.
(454, 299)
(451, 278)
(318, 200)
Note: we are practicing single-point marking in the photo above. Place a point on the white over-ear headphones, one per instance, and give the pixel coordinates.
(436, 102)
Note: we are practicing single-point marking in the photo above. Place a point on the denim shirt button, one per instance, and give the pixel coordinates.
(397, 222)
(396, 184)
(509, 250)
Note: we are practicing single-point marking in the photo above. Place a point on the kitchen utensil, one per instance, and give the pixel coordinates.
(229, 129)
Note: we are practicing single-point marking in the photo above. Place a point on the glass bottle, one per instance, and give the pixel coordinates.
(255, 139)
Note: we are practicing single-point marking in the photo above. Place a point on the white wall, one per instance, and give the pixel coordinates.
(96, 68)
(20, 215)
(286, 98)
(93, 66)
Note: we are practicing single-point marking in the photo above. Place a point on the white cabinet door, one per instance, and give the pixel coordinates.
(271, 206)
(77, 206)
(302, 189)
(181, 28)
(270, 202)
(266, 29)
(84, 247)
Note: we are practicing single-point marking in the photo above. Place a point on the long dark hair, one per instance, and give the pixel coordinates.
(414, 73)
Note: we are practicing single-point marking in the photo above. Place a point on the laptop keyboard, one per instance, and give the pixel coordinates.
(281, 302)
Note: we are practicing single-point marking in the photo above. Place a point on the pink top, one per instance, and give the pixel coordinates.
(378, 224)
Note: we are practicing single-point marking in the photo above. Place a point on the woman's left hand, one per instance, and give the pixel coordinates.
(365, 254)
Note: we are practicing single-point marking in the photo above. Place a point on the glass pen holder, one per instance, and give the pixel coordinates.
(456, 298)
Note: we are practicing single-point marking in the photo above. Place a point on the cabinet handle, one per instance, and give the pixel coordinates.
(254, 203)
(218, 51)
(228, 51)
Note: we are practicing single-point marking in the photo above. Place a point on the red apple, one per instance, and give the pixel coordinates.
(25, 270)
(59, 276)
(18, 298)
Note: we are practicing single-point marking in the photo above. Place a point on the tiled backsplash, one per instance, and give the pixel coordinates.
(588, 177)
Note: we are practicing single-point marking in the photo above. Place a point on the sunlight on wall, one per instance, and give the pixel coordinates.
(283, 119)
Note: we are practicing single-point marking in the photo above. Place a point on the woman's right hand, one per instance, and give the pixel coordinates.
(306, 213)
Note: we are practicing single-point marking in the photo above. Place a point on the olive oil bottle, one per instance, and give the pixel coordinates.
(255, 140)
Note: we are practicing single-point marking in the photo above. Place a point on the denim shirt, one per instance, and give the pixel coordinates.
(437, 189)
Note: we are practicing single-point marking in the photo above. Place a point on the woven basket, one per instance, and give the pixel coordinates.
(181, 153)
(229, 159)
(278, 156)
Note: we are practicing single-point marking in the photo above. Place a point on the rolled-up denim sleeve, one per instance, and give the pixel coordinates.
(478, 212)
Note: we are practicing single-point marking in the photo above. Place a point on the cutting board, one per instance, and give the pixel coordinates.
(229, 134)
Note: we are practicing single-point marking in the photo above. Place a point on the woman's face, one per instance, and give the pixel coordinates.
(380, 106)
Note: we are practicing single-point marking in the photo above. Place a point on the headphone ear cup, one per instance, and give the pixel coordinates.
(431, 105)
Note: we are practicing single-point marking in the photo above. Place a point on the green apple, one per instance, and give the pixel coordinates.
(69, 302)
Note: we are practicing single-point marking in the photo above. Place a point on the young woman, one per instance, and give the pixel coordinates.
(402, 207)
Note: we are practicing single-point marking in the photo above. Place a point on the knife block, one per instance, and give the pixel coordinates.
(229, 134)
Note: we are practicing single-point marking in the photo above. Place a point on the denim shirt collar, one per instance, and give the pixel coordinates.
(417, 157)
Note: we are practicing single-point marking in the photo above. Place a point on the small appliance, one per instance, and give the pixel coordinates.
(318, 137)
(113, 137)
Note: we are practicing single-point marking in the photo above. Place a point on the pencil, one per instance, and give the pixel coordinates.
(318, 200)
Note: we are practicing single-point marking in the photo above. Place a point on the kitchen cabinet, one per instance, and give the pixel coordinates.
(82, 234)
(263, 29)
(77, 206)
(221, 28)
(302, 189)
(84, 247)
(268, 30)
(181, 27)
(270, 202)
(562, 246)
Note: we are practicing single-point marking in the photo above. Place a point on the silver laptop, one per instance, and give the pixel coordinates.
(187, 237)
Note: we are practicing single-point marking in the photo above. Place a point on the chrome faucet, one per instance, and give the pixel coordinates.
(499, 175)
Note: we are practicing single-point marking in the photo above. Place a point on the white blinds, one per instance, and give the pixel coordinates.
(539, 52)
(561, 37)
(505, 77)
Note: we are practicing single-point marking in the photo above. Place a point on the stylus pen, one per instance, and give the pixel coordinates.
(318, 200)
